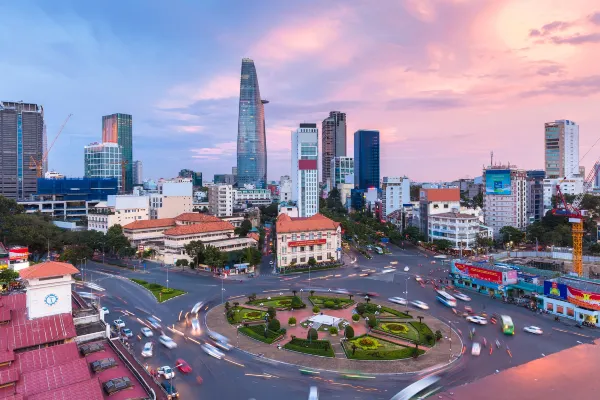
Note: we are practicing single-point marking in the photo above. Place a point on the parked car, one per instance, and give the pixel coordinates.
(212, 351)
(420, 304)
(116, 385)
(166, 372)
(103, 364)
(126, 332)
(476, 349)
(534, 329)
(167, 342)
(183, 366)
(476, 319)
(119, 323)
(148, 350)
(398, 300)
(105, 310)
(147, 331)
(170, 388)
(90, 348)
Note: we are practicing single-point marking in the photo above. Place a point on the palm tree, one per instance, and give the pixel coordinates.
(312, 293)
(350, 296)
(294, 292)
(367, 299)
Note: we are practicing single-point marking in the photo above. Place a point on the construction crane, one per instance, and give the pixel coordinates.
(576, 216)
(123, 173)
(38, 165)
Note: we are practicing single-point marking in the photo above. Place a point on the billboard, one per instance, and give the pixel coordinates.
(480, 273)
(307, 242)
(510, 277)
(583, 299)
(555, 289)
(497, 181)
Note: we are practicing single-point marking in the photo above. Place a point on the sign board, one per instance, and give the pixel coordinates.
(18, 254)
(479, 273)
(307, 242)
(497, 182)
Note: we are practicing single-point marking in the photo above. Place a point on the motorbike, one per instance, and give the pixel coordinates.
(497, 343)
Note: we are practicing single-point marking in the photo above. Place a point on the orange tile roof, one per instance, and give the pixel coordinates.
(447, 194)
(317, 222)
(150, 223)
(254, 236)
(182, 230)
(48, 269)
(196, 217)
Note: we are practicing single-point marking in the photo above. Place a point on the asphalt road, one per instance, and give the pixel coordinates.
(242, 376)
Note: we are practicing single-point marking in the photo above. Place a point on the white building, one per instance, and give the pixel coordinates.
(220, 200)
(341, 167)
(561, 142)
(285, 188)
(305, 175)
(505, 197)
(138, 173)
(567, 186)
(460, 229)
(435, 201)
(288, 209)
(395, 193)
(345, 190)
(255, 197)
(122, 210)
(173, 197)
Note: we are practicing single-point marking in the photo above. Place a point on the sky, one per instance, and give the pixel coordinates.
(445, 81)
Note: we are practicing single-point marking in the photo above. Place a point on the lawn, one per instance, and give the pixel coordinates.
(427, 336)
(315, 347)
(258, 332)
(334, 303)
(369, 348)
(384, 312)
(161, 293)
(408, 331)
(244, 314)
(275, 301)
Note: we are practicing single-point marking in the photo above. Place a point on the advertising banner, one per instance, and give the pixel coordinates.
(18, 254)
(497, 181)
(583, 299)
(485, 274)
(510, 278)
(307, 242)
(554, 289)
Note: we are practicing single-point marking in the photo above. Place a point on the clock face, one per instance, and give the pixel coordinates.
(51, 299)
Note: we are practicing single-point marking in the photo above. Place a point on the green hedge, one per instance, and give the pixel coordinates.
(315, 347)
(258, 332)
(427, 336)
(335, 303)
(161, 293)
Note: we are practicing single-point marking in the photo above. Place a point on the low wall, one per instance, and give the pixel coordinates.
(548, 254)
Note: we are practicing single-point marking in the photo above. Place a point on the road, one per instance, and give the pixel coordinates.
(258, 379)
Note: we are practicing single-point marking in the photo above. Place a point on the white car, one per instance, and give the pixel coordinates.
(418, 279)
(197, 307)
(119, 323)
(314, 393)
(166, 371)
(420, 304)
(476, 349)
(196, 326)
(147, 350)
(147, 331)
(476, 319)
(462, 296)
(212, 351)
(167, 342)
(105, 310)
(406, 269)
(534, 329)
(398, 300)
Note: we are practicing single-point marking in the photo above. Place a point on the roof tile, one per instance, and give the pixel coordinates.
(150, 223)
(86, 390)
(196, 217)
(182, 230)
(48, 269)
(317, 222)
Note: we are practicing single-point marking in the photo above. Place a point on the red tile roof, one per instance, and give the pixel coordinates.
(318, 222)
(182, 230)
(150, 223)
(22, 333)
(15, 301)
(254, 236)
(46, 357)
(447, 194)
(196, 217)
(6, 356)
(52, 378)
(48, 269)
(86, 390)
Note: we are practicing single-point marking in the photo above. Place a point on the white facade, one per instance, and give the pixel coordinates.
(120, 210)
(395, 193)
(289, 210)
(174, 197)
(567, 186)
(257, 197)
(285, 188)
(345, 190)
(66, 210)
(460, 229)
(507, 210)
(49, 296)
(290, 250)
(220, 200)
(305, 177)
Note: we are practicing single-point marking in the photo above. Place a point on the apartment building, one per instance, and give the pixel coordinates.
(220, 200)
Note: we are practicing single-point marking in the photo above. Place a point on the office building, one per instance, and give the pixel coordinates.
(138, 173)
(22, 131)
(251, 141)
(120, 209)
(561, 149)
(225, 179)
(340, 169)
(285, 188)
(573, 186)
(234, 171)
(173, 197)
(436, 201)
(333, 142)
(535, 195)
(305, 179)
(366, 159)
(196, 177)
(118, 128)
(252, 197)
(220, 200)
(395, 194)
(103, 160)
(460, 229)
(505, 197)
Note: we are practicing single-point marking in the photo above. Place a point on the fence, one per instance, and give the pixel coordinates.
(548, 254)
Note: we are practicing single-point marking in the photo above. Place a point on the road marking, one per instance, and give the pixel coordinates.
(233, 362)
(262, 375)
(574, 333)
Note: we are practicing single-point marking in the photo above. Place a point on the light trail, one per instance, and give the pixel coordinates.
(233, 362)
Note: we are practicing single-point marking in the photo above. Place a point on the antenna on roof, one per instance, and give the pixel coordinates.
(492, 158)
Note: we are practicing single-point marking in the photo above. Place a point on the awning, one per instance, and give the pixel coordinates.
(529, 287)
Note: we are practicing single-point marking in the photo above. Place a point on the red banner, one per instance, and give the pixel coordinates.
(307, 242)
(18, 253)
(479, 273)
(583, 299)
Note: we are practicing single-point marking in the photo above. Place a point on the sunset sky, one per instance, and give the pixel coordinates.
(445, 81)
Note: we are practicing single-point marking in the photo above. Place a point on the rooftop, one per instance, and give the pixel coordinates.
(454, 215)
(196, 217)
(579, 283)
(48, 269)
(318, 222)
(486, 265)
(150, 223)
(182, 230)
(446, 194)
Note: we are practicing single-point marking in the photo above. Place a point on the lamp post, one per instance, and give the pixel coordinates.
(406, 292)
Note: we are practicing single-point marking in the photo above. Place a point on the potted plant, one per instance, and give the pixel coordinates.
(333, 331)
(355, 318)
(292, 321)
(316, 310)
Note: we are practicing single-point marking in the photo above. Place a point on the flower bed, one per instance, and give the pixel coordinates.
(244, 314)
(315, 347)
(369, 348)
(408, 331)
(384, 312)
(278, 302)
(258, 332)
(334, 303)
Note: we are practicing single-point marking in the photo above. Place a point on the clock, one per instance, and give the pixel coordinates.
(51, 299)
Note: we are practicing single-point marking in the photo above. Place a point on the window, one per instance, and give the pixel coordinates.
(283, 250)
(302, 236)
(445, 205)
(328, 235)
(311, 248)
(293, 236)
(301, 249)
(550, 306)
(328, 246)
(311, 236)
(283, 238)
(328, 255)
(570, 312)
(294, 249)
(319, 258)
(302, 259)
(284, 260)
(319, 235)
(560, 309)
(294, 260)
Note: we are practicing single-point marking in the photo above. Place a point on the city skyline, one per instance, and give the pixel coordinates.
(476, 80)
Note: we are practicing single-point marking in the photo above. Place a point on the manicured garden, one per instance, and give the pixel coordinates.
(238, 314)
(369, 348)
(314, 347)
(258, 332)
(384, 312)
(279, 302)
(327, 302)
(159, 291)
(412, 331)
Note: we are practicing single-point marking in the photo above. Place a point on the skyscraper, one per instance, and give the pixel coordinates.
(103, 160)
(21, 139)
(138, 173)
(118, 128)
(561, 139)
(333, 141)
(366, 159)
(251, 143)
(305, 179)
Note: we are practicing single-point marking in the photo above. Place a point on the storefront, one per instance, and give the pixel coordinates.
(573, 298)
(483, 277)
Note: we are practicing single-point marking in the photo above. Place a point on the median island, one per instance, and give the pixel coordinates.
(160, 292)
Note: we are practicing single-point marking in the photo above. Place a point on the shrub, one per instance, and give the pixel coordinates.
(360, 308)
(252, 297)
(349, 332)
(355, 317)
(282, 331)
(253, 315)
(316, 309)
(329, 304)
(372, 322)
(292, 320)
(312, 334)
(154, 286)
(284, 303)
(438, 335)
(274, 325)
(333, 330)
(367, 343)
(166, 291)
(272, 313)
(396, 328)
(297, 302)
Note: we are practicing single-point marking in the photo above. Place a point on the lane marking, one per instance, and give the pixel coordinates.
(573, 333)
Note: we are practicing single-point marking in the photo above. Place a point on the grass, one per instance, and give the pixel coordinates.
(408, 331)
(258, 332)
(244, 314)
(161, 293)
(384, 312)
(427, 336)
(369, 348)
(335, 303)
(315, 347)
(276, 301)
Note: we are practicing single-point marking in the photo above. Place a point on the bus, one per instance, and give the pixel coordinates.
(508, 327)
(446, 299)
(419, 390)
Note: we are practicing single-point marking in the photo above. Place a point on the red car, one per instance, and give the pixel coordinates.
(182, 366)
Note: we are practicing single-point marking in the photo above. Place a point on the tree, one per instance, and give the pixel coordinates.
(478, 200)
(76, 253)
(350, 296)
(297, 303)
(274, 325)
(116, 240)
(312, 293)
(512, 234)
(312, 334)
(312, 262)
(272, 312)
(244, 228)
(349, 333)
(595, 248)
(412, 233)
(415, 191)
(443, 244)
(251, 255)
(212, 256)
(294, 292)
(484, 242)
(195, 249)
(372, 320)
(182, 262)
(8, 276)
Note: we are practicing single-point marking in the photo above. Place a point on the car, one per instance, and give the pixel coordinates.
(154, 323)
(476, 349)
(170, 388)
(197, 307)
(90, 348)
(212, 351)
(462, 296)
(126, 332)
(476, 319)
(420, 304)
(398, 300)
(182, 366)
(314, 393)
(406, 269)
(103, 364)
(167, 342)
(369, 294)
(119, 323)
(469, 309)
(534, 329)
(148, 349)
(166, 372)
(105, 310)
(147, 331)
(220, 341)
(116, 385)
(196, 326)
(418, 279)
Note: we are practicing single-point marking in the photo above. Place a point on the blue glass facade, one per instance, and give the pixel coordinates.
(118, 128)
(84, 189)
(366, 159)
(251, 143)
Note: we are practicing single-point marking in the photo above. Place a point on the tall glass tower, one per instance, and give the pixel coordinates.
(118, 128)
(251, 143)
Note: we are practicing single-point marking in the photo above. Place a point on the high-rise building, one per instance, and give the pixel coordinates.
(535, 195)
(138, 173)
(366, 159)
(285, 188)
(251, 142)
(333, 141)
(305, 179)
(561, 142)
(505, 197)
(395, 194)
(118, 128)
(21, 140)
(340, 168)
(220, 200)
(103, 160)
